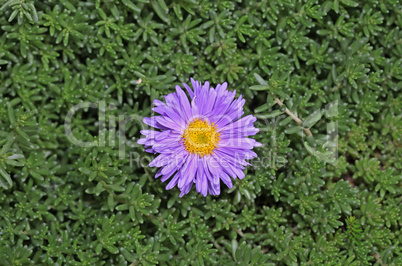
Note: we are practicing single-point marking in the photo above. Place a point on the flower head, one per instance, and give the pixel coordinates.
(200, 140)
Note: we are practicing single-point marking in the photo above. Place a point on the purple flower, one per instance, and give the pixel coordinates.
(202, 140)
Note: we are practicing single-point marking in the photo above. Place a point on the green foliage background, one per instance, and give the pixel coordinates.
(70, 205)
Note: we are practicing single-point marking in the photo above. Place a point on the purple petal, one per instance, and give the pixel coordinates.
(189, 90)
(214, 189)
(158, 103)
(185, 189)
(173, 182)
(141, 141)
(226, 179)
(242, 143)
(184, 103)
(201, 182)
(188, 171)
(151, 121)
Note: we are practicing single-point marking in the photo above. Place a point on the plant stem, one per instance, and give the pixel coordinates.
(239, 232)
(377, 257)
(293, 116)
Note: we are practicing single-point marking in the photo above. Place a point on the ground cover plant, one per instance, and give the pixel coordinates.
(322, 77)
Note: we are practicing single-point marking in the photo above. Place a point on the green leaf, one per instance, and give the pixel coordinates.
(22, 133)
(36, 175)
(11, 115)
(259, 87)
(293, 130)
(272, 114)
(9, 142)
(132, 6)
(7, 177)
(312, 119)
(112, 249)
(260, 79)
(110, 202)
(234, 247)
(161, 11)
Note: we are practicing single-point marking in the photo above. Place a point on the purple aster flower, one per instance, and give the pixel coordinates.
(200, 140)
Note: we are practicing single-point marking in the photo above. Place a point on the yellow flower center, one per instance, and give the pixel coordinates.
(200, 137)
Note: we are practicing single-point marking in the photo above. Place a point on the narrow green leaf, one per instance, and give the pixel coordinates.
(127, 255)
(262, 108)
(270, 115)
(36, 175)
(85, 171)
(260, 79)
(259, 87)
(162, 14)
(22, 134)
(68, 5)
(286, 121)
(312, 119)
(99, 188)
(7, 4)
(292, 130)
(14, 163)
(130, 5)
(110, 202)
(13, 15)
(235, 245)
(116, 188)
(9, 142)
(6, 177)
(122, 207)
(11, 115)
(163, 5)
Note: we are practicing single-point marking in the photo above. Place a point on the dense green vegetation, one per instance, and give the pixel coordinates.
(324, 79)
